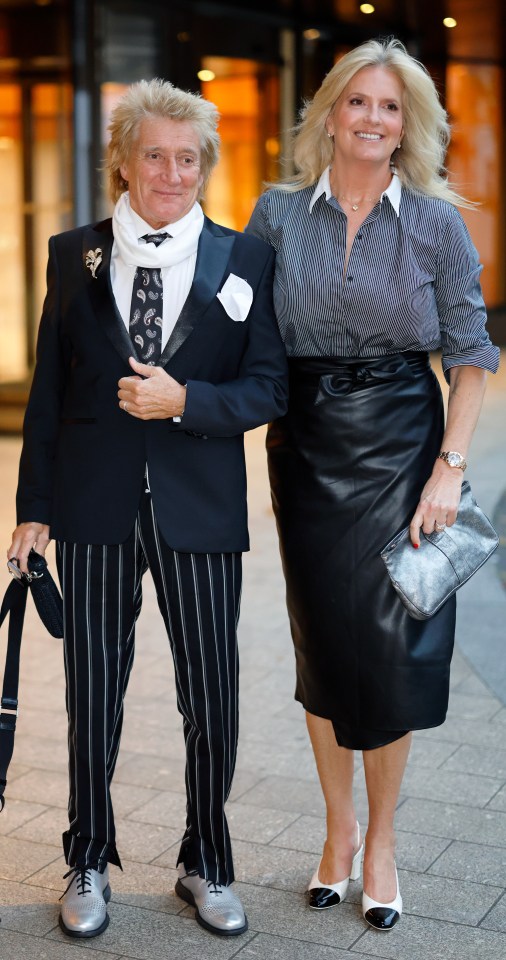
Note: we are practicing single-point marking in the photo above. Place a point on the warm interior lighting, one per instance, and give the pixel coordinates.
(246, 93)
(367, 8)
(311, 34)
(272, 146)
(450, 22)
(206, 75)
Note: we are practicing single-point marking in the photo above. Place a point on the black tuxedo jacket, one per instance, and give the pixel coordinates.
(83, 459)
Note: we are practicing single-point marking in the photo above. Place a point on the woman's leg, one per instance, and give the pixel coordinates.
(335, 770)
(384, 770)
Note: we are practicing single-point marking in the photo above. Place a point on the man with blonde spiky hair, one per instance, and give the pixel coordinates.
(158, 347)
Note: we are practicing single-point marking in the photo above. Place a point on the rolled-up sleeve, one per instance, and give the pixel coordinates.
(461, 308)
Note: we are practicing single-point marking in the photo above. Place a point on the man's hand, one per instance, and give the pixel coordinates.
(152, 394)
(26, 536)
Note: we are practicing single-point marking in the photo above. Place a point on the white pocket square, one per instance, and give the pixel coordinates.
(236, 296)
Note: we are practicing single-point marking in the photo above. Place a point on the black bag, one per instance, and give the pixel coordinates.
(49, 606)
(45, 593)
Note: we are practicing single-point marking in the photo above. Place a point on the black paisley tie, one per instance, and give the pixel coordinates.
(146, 311)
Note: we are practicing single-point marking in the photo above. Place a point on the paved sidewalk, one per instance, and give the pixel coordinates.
(452, 813)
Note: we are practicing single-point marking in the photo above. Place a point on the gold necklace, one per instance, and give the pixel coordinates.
(354, 205)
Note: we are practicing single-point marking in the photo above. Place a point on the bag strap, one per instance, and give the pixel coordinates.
(14, 604)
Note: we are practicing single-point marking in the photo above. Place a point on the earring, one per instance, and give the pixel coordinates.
(330, 135)
(398, 147)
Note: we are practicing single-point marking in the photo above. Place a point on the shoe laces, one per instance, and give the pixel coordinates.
(212, 886)
(83, 880)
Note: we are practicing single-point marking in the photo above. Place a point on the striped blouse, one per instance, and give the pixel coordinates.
(412, 280)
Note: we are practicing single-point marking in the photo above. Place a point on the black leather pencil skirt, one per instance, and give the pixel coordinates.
(347, 465)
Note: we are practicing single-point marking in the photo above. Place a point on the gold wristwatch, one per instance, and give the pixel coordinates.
(453, 458)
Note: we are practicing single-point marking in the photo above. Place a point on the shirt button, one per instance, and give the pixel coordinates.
(349, 279)
(359, 236)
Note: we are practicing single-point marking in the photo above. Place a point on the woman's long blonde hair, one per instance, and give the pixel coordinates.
(420, 161)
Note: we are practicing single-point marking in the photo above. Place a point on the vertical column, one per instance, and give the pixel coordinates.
(83, 61)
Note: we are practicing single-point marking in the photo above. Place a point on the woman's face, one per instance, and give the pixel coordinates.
(366, 120)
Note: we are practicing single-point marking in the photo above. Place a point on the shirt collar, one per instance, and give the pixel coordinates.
(393, 191)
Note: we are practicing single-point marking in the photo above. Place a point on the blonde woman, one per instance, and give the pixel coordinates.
(374, 268)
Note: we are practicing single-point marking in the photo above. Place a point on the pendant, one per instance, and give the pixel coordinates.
(354, 206)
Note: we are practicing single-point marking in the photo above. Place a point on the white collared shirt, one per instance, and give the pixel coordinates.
(177, 280)
(393, 191)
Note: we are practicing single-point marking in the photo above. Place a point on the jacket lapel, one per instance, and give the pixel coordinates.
(213, 254)
(97, 242)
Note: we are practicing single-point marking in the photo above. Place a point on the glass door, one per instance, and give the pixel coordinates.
(247, 94)
(12, 282)
(35, 202)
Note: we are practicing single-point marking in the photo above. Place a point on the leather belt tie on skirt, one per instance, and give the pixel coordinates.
(337, 377)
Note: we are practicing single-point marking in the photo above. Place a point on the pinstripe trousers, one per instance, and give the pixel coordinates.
(199, 598)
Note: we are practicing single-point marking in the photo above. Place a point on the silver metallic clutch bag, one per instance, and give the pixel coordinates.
(427, 577)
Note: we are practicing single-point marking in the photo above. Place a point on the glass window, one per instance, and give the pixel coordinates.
(12, 261)
(51, 207)
(247, 96)
(35, 202)
(475, 159)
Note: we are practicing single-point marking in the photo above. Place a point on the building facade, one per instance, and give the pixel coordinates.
(64, 63)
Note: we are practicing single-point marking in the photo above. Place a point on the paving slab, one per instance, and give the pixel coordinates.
(154, 773)
(45, 787)
(281, 792)
(19, 946)
(440, 898)
(445, 785)
(20, 858)
(27, 910)
(498, 802)
(18, 812)
(454, 821)
(472, 862)
(496, 918)
(265, 947)
(418, 938)
(430, 753)
(480, 760)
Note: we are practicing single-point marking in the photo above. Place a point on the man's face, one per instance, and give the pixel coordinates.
(163, 171)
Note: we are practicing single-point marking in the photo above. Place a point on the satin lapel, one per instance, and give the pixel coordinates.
(100, 289)
(213, 255)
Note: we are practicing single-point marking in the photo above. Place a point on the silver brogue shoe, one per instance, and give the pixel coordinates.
(83, 909)
(217, 908)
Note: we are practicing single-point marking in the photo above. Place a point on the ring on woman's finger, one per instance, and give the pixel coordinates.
(439, 527)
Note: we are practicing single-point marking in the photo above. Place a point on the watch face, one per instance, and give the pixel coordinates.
(454, 459)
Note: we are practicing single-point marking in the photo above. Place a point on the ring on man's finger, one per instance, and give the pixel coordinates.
(124, 404)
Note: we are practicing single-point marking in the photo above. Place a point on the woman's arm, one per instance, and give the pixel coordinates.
(440, 496)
